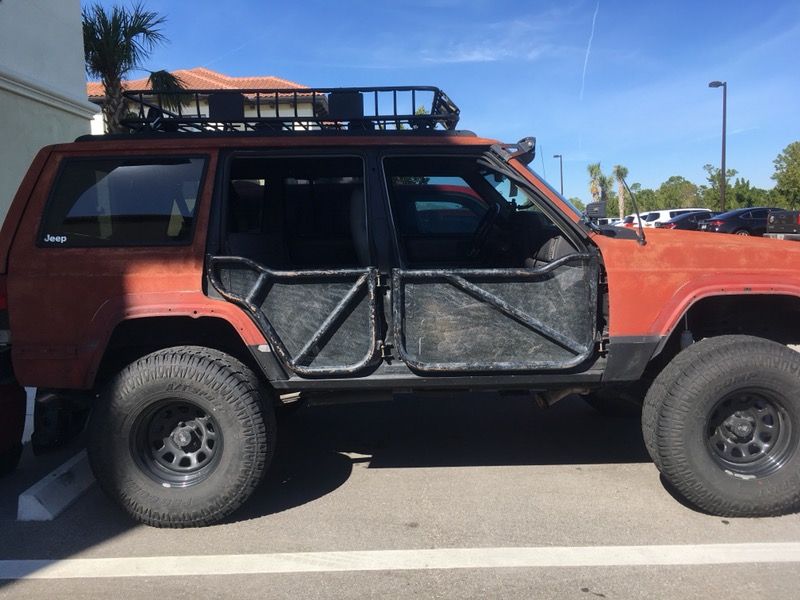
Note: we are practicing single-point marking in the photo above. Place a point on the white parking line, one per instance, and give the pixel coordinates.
(399, 560)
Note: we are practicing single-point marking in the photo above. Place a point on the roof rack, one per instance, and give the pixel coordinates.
(297, 109)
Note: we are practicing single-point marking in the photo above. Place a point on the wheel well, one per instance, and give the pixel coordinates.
(135, 338)
(773, 317)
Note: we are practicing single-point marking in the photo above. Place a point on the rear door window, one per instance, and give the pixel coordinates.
(123, 202)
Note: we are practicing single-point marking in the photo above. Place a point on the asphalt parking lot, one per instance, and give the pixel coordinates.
(455, 496)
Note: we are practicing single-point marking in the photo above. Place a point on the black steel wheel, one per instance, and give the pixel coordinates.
(722, 423)
(176, 442)
(182, 437)
(750, 433)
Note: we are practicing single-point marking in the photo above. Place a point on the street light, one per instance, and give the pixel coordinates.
(561, 170)
(722, 178)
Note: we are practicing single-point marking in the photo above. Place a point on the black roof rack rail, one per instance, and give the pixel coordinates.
(291, 110)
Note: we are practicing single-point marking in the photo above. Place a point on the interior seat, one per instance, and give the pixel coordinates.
(553, 249)
(246, 236)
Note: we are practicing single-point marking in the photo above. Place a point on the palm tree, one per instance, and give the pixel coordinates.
(621, 173)
(595, 175)
(116, 43)
(606, 182)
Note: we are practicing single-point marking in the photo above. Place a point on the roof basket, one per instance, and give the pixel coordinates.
(300, 109)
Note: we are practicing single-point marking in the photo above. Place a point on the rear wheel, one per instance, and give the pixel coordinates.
(722, 422)
(741, 232)
(180, 437)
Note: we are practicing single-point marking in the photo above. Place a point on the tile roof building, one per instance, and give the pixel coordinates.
(201, 78)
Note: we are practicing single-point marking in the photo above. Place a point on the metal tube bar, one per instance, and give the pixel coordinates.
(516, 314)
(330, 319)
(256, 289)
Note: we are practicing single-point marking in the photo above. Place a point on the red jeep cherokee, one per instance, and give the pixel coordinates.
(191, 277)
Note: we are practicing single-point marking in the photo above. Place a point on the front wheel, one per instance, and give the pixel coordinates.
(181, 438)
(723, 426)
(741, 232)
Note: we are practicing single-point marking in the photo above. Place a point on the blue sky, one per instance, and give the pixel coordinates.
(517, 69)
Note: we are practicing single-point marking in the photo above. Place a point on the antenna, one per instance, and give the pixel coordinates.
(641, 238)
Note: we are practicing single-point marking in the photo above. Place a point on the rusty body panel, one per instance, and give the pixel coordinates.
(651, 286)
(65, 302)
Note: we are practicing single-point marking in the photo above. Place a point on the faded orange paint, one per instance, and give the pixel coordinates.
(651, 286)
(60, 332)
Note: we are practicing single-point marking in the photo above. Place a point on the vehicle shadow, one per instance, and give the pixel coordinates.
(318, 446)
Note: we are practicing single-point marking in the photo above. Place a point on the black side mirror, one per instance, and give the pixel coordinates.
(596, 210)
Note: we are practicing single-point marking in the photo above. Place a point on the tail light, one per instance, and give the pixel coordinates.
(716, 223)
(629, 225)
(667, 225)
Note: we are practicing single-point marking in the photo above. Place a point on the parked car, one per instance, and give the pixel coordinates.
(660, 216)
(632, 221)
(196, 275)
(741, 221)
(687, 221)
(783, 225)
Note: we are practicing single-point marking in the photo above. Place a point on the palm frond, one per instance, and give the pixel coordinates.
(170, 87)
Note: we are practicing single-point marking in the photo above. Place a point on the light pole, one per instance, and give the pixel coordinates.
(722, 178)
(561, 170)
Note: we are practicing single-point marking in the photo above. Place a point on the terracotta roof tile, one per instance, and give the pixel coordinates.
(201, 78)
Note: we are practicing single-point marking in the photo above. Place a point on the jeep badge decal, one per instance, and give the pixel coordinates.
(55, 239)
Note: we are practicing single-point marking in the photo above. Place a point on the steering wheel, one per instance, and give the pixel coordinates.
(485, 226)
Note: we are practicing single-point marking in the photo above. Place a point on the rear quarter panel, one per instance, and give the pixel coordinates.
(65, 302)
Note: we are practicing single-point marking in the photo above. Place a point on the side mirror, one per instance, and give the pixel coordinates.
(596, 210)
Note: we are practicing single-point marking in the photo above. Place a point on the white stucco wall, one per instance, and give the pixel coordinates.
(42, 83)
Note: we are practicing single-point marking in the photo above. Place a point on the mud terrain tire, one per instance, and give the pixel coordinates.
(722, 423)
(181, 437)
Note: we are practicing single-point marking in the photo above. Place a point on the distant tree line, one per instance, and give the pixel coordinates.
(679, 192)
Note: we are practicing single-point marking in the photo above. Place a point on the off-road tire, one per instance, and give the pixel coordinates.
(218, 389)
(651, 407)
(682, 420)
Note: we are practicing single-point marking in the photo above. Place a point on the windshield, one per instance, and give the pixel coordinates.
(579, 213)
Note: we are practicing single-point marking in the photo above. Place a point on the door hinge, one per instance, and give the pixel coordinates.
(386, 350)
(383, 281)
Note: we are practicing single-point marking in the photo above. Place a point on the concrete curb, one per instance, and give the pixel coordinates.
(50, 496)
